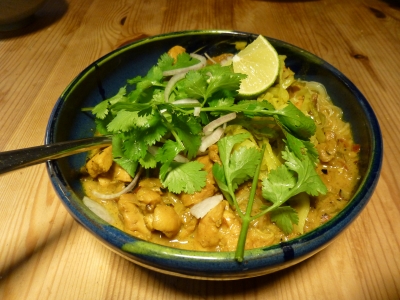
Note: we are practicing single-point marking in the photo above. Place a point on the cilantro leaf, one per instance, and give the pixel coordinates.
(101, 124)
(128, 165)
(154, 134)
(296, 122)
(194, 85)
(184, 177)
(302, 148)
(165, 62)
(101, 109)
(145, 86)
(284, 217)
(148, 161)
(219, 176)
(307, 178)
(293, 177)
(117, 146)
(168, 151)
(128, 106)
(183, 60)
(279, 184)
(188, 131)
(134, 146)
(127, 120)
(237, 166)
(119, 97)
(243, 163)
(124, 121)
(226, 144)
(222, 78)
(222, 102)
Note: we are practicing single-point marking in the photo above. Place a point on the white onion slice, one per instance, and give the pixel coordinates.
(209, 128)
(318, 87)
(211, 139)
(98, 210)
(127, 189)
(200, 209)
(210, 59)
(181, 159)
(171, 83)
(186, 101)
(197, 66)
(196, 111)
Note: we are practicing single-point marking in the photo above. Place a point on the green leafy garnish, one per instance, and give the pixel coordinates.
(179, 176)
(150, 130)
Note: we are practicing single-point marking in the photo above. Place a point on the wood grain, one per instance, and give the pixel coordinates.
(45, 254)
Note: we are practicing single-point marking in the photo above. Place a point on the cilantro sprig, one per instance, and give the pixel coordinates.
(295, 176)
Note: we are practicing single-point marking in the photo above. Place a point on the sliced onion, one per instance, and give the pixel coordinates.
(197, 66)
(318, 87)
(186, 101)
(211, 139)
(181, 159)
(200, 209)
(196, 111)
(210, 59)
(127, 189)
(171, 83)
(209, 128)
(98, 210)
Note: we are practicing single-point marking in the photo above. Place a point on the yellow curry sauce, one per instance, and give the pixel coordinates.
(154, 214)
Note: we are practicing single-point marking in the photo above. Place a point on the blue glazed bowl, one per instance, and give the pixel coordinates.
(103, 78)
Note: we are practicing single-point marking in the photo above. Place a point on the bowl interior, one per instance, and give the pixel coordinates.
(103, 78)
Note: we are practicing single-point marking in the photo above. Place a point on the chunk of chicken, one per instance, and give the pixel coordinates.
(153, 184)
(100, 163)
(189, 225)
(148, 199)
(213, 154)
(229, 230)
(175, 51)
(166, 220)
(208, 229)
(132, 217)
(117, 173)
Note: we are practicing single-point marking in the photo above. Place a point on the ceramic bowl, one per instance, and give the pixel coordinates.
(103, 78)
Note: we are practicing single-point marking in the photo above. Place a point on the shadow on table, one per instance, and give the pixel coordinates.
(287, 1)
(205, 289)
(32, 252)
(50, 13)
(392, 3)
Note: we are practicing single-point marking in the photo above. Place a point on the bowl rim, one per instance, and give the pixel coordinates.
(222, 262)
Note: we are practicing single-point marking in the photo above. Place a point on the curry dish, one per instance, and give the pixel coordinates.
(151, 212)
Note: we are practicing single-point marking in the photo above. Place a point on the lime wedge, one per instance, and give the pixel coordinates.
(260, 62)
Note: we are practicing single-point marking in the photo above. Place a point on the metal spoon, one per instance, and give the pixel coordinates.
(21, 158)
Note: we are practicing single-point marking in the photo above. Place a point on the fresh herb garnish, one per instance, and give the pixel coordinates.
(150, 130)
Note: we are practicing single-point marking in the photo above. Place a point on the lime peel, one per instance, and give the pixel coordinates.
(260, 62)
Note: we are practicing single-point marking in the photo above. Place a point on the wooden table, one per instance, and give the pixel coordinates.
(44, 254)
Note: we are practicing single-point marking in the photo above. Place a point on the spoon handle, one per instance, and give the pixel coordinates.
(21, 158)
